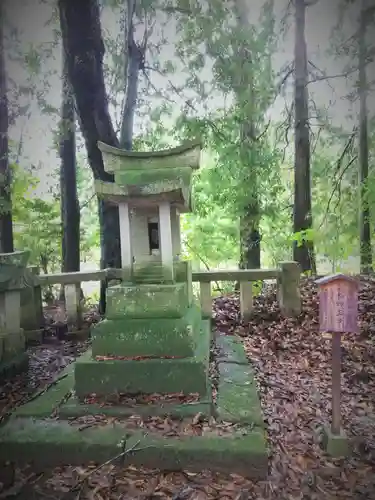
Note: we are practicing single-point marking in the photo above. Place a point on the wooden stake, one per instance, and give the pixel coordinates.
(336, 383)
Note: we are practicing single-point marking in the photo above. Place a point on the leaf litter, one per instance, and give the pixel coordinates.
(292, 364)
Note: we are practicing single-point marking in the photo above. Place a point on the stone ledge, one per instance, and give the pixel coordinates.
(145, 337)
(18, 364)
(73, 409)
(51, 443)
(148, 376)
(230, 350)
(44, 404)
(237, 396)
(147, 301)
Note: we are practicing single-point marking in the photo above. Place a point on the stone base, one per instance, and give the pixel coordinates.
(50, 443)
(145, 337)
(11, 367)
(30, 436)
(34, 336)
(187, 375)
(236, 386)
(11, 345)
(147, 301)
(336, 445)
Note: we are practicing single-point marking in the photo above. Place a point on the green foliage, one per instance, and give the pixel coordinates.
(219, 86)
(37, 224)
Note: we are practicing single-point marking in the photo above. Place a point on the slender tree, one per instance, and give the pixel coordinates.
(249, 221)
(364, 213)
(6, 226)
(70, 211)
(84, 52)
(303, 251)
(135, 63)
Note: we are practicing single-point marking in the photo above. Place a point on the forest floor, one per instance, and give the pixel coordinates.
(292, 363)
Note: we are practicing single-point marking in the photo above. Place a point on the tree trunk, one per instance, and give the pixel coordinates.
(6, 225)
(70, 212)
(84, 49)
(304, 254)
(135, 55)
(250, 251)
(250, 239)
(364, 214)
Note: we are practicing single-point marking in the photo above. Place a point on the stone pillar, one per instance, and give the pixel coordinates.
(246, 299)
(289, 288)
(206, 299)
(125, 236)
(165, 231)
(10, 311)
(176, 232)
(32, 319)
(73, 304)
(12, 339)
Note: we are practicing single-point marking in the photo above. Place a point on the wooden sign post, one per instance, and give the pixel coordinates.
(338, 312)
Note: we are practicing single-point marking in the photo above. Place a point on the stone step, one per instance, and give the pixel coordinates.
(148, 301)
(187, 375)
(145, 337)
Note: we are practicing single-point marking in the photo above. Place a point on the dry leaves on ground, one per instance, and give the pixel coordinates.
(292, 363)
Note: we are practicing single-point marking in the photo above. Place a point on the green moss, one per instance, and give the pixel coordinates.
(52, 443)
(45, 404)
(187, 375)
(147, 337)
(237, 399)
(143, 177)
(147, 301)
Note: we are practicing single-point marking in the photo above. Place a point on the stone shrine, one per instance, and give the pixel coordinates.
(153, 339)
(13, 357)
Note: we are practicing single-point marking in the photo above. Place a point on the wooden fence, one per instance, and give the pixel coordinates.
(287, 275)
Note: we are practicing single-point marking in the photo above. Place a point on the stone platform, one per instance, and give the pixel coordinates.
(185, 374)
(41, 431)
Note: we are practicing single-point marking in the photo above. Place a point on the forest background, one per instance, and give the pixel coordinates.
(279, 92)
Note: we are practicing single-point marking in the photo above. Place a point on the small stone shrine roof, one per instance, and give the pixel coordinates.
(146, 178)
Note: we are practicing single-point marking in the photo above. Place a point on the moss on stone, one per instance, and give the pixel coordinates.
(50, 443)
(44, 404)
(187, 375)
(147, 301)
(17, 364)
(146, 337)
(237, 399)
(74, 408)
(12, 345)
(141, 177)
(230, 349)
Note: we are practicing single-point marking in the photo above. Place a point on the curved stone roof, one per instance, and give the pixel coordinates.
(146, 177)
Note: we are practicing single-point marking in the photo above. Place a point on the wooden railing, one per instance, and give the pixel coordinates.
(287, 275)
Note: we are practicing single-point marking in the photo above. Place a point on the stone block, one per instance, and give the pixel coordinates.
(147, 301)
(12, 344)
(51, 443)
(31, 302)
(17, 364)
(187, 375)
(230, 350)
(336, 445)
(237, 398)
(146, 337)
(289, 289)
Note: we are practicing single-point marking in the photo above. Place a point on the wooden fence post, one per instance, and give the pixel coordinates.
(289, 294)
(206, 299)
(246, 299)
